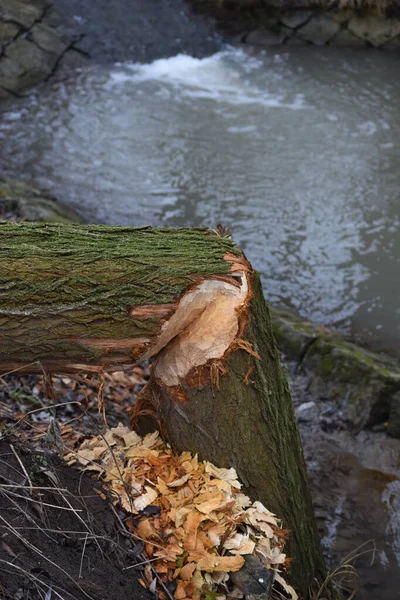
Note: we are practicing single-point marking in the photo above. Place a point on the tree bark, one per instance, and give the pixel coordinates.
(76, 297)
(81, 298)
(237, 411)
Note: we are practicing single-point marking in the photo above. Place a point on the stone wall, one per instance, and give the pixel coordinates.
(304, 22)
(33, 41)
(335, 28)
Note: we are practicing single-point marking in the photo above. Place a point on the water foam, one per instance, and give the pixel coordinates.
(222, 77)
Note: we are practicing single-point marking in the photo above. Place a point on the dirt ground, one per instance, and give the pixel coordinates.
(58, 534)
(60, 537)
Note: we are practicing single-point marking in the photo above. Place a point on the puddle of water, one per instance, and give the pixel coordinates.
(358, 507)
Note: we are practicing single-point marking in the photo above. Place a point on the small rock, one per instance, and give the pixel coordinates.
(70, 62)
(305, 406)
(48, 39)
(375, 30)
(253, 579)
(319, 30)
(293, 334)
(380, 428)
(24, 65)
(296, 18)
(23, 13)
(8, 31)
(342, 16)
(305, 412)
(27, 202)
(345, 38)
(329, 425)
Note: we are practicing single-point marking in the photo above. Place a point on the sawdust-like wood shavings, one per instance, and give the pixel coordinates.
(200, 525)
(180, 481)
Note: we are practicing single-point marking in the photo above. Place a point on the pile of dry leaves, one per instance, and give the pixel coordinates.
(196, 523)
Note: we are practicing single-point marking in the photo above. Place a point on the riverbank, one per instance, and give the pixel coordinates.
(19, 200)
(364, 385)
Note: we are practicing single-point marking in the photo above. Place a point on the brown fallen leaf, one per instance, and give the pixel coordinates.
(187, 571)
(214, 562)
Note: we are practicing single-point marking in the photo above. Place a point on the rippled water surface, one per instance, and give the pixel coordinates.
(296, 152)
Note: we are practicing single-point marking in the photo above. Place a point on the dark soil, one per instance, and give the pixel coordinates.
(66, 538)
(80, 553)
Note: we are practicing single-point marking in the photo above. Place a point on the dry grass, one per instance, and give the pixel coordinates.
(343, 581)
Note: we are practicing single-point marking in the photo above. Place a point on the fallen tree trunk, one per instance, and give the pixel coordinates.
(84, 298)
(81, 298)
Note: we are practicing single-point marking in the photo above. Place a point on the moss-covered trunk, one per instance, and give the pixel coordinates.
(81, 298)
(74, 297)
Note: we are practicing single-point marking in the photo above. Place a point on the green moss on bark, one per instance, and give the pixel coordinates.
(61, 284)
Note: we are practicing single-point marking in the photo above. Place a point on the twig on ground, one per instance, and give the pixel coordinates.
(58, 507)
(35, 362)
(143, 562)
(83, 554)
(21, 464)
(27, 516)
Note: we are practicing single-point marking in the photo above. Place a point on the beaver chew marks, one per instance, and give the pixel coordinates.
(203, 327)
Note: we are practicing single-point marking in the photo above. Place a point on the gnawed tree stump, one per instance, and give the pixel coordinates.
(79, 298)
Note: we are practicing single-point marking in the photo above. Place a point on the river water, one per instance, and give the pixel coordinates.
(296, 151)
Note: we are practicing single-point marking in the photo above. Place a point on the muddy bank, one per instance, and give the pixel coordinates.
(364, 385)
(20, 200)
(354, 474)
